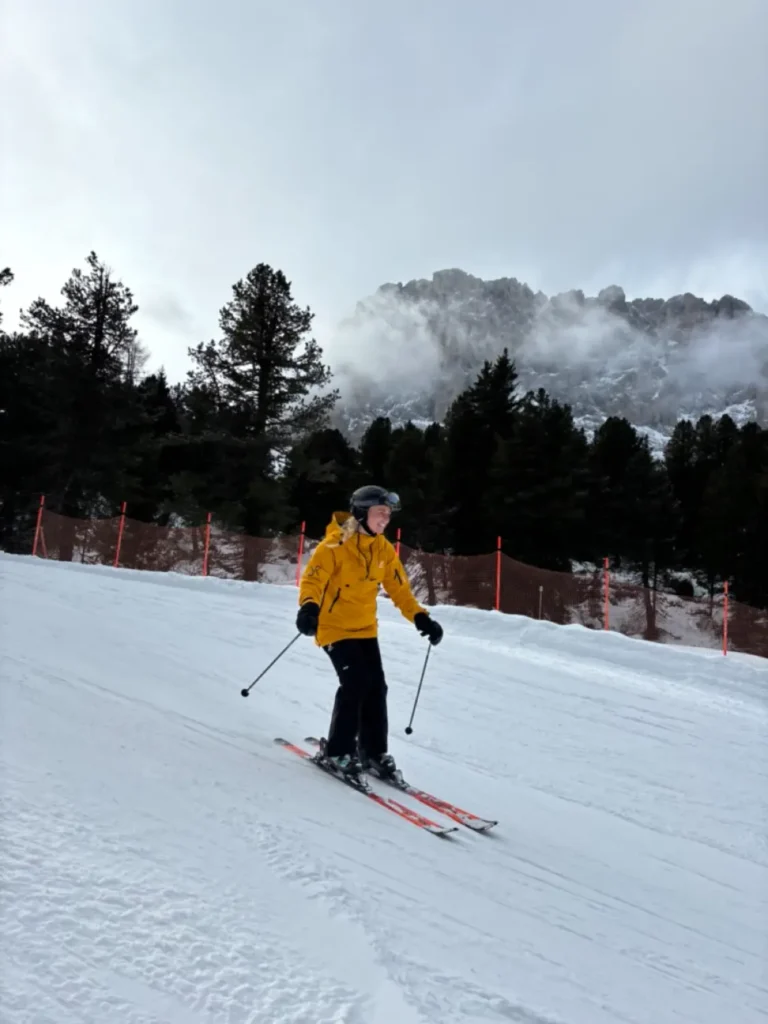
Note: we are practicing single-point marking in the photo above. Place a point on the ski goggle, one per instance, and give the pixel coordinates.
(389, 498)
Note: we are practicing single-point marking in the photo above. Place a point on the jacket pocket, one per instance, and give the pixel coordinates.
(335, 599)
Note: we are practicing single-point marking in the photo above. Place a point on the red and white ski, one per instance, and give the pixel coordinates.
(465, 818)
(364, 787)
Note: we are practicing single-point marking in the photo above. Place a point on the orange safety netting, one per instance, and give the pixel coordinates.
(478, 581)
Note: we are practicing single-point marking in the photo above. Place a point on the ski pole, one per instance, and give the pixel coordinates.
(409, 727)
(244, 692)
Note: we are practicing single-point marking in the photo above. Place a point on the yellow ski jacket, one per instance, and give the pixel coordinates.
(343, 577)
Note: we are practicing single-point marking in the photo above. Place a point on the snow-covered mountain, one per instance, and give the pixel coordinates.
(409, 349)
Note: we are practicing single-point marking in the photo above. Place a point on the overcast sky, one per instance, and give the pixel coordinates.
(350, 143)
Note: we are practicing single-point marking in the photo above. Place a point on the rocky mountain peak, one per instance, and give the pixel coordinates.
(409, 349)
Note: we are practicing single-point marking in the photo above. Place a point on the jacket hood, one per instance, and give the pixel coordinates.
(338, 530)
(333, 530)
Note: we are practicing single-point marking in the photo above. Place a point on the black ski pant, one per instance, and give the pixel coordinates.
(359, 717)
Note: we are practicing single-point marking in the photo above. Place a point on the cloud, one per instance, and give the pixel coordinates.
(169, 312)
(651, 360)
(568, 145)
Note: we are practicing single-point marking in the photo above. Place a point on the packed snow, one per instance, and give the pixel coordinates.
(163, 862)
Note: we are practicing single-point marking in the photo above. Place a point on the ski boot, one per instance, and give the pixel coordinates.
(347, 765)
(383, 767)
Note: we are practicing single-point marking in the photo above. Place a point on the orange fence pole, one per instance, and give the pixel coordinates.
(498, 574)
(397, 542)
(120, 529)
(39, 524)
(584, 594)
(207, 544)
(301, 553)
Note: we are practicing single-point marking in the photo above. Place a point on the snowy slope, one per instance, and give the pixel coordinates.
(162, 862)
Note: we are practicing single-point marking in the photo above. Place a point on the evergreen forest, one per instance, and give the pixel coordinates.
(247, 436)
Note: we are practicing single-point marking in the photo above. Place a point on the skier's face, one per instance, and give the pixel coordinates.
(378, 518)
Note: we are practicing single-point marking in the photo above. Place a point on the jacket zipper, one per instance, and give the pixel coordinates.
(333, 602)
(367, 562)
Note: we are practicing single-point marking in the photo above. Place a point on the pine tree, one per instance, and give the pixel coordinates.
(692, 456)
(94, 326)
(6, 276)
(375, 450)
(751, 524)
(651, 523)
(537, 485)
(157, 446)
(320, 477)
(411, 472)
(257, 392)
(680, 458)
(631, 508)
(732, 527)
(615, 444)
(478, 421)
(27, 426)
(84, 392)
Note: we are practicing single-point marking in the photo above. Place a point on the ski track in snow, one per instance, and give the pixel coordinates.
(161, 861)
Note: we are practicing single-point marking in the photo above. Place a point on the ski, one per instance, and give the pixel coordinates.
(465, 818)
(364, 787)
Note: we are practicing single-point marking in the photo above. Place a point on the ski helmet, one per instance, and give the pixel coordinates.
(368, 496)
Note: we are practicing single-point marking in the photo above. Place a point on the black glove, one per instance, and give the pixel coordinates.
(428, 627)
(306, 620)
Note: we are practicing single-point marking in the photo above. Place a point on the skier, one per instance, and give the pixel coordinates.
(337, 605)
